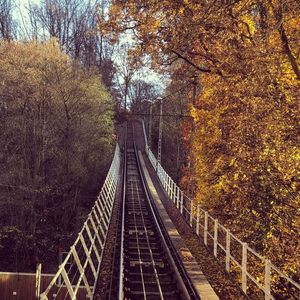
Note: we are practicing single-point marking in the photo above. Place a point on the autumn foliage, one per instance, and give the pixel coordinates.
(246, 134)
(56, 143)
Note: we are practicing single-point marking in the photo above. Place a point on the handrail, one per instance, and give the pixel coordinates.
(193, 213)
(121, 268)
(83, 261)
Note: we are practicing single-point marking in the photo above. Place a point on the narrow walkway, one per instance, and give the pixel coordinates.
(192, 268)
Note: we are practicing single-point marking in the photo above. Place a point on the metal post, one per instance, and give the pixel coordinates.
(174, 192)
(198, 219)
(160, 133)
(228, 250)
(267, 280)
(181, 203)
(216, 238)
(244, 268)
(38, 275)
(150, 128)
(191, 214)
(205, 227)
(178, 197)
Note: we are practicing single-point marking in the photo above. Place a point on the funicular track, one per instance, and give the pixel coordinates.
(145, 264)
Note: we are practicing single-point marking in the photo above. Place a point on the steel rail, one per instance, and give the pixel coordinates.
(149, 265)
(189, 293)
(150, 251)
(138, 245)
(137, 209)
(175, 260)
(168, 246)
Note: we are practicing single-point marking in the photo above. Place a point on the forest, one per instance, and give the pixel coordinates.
(230, 99)
(234, 70)
(57, 133)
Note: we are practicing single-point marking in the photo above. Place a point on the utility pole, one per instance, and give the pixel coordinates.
(160, 132)
(191, 162)
(150, 127)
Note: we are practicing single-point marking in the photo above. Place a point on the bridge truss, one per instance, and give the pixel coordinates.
(78, 273)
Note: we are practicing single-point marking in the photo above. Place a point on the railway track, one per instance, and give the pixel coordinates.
(146, 265)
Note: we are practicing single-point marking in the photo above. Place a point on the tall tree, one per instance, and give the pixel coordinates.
(245, 139)
(57, 136)
(6, 20)
(75, 24)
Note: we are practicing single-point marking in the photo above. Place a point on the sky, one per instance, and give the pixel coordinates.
(145, 73)
(21, 15)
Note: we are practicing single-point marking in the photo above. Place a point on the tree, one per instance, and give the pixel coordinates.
(245, 141)
(142, 91)
(75, 25)
(57, 140)
(6, 20)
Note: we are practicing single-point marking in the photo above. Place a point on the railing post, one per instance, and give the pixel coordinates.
(244, 268)
(178, 196)
(191, 214)
(228, 250)
(38, 276)
(198, 219)
(173, 191)
(205, 227)
(181, 203)
(267, 280)
(216, 237)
